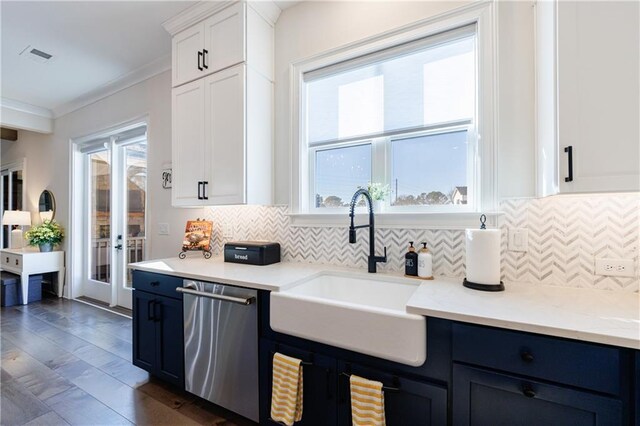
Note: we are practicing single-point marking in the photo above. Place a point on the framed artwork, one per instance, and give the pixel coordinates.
(197, 237)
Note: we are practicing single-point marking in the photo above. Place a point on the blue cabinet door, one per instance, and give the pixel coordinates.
(406, 401)
(169, 340)
(144, 331)
(319, 385)
(483, 397)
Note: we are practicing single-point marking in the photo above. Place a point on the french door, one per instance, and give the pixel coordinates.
(115, 189)
(11, 195)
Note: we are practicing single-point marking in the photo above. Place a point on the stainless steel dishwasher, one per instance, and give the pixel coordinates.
(221, 345)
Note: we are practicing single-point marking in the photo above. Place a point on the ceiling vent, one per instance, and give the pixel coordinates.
(36, 55)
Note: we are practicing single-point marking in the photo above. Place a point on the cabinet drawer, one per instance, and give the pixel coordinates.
(482, 397)
(13, 261)
(163, 285)
(574, 363)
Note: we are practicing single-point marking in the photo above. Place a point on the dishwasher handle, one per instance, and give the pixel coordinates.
(222, 297)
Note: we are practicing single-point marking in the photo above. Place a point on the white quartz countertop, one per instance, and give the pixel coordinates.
(270, 277)
(600, 316)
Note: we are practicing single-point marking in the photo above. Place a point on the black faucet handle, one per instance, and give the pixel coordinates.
(385, 254)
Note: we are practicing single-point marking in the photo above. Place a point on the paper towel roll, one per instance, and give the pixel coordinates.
(483, 256)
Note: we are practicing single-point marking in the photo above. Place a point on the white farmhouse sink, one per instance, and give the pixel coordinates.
(362, 313)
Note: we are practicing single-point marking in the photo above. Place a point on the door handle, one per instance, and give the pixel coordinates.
(569, 151)
(200, 185)
(200, 55)
(118, 247)
(204, 190)
(151, 310)
(204, 59)
(221, 297)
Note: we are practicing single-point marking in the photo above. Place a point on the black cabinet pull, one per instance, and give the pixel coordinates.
(154, 283)
(204, 59)
(200, 60)
(526, 356)
(528, 391)
(569, 151)
(200, 185)
(157, 317)
(151, 310)
(7, 259)
(328, 379)
(204, 190)
(16, 262)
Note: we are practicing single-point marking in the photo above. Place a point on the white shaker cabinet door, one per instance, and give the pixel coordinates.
(598, 96)
(224, 35)
(225, 121)
(188, 144)
(187, 55)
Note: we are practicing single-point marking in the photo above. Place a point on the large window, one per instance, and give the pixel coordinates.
(402, 117)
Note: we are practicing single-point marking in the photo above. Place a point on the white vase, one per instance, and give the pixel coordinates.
(378, 206)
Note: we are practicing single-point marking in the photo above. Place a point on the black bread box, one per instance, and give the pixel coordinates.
(252, 252)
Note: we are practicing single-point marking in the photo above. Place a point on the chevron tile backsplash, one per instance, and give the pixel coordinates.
(566, 233)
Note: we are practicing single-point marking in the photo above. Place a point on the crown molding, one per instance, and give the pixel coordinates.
(26, 108)
(22, 116)
(202, 10)
(194, 14)
(267, 9)
(136, 76)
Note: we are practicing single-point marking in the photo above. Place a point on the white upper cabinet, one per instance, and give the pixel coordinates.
(222, 113)
(588, 102)
(209, 46)
(188, 142)
(224, 37)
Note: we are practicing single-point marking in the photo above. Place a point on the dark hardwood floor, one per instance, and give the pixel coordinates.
(65, 362)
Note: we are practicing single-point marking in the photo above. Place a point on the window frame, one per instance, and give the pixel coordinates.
(302, 207)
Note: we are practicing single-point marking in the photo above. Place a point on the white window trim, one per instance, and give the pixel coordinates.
(483, 15)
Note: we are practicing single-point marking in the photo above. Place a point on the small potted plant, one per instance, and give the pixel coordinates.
(379, 193)
(45, 235)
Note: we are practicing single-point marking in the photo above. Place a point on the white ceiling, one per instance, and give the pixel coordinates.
(93, 43)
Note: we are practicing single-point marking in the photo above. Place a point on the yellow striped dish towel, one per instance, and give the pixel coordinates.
(367, 402)
(286, 393)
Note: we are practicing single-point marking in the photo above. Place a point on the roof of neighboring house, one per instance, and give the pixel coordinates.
(462, 190)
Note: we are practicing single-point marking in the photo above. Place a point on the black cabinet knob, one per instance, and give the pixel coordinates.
(526, 356)
(528, 391)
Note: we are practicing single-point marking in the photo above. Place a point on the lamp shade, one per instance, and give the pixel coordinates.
(16, 217)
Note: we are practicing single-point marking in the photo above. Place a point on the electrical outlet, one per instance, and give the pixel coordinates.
(518, 239)
(163, 229)
(614, 267)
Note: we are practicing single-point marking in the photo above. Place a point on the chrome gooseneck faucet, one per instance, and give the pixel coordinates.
(373, 259)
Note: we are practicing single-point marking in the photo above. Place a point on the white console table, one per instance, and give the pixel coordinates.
(25, 262)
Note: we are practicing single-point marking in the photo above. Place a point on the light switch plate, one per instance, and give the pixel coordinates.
(518, 239)
(163, 229)
(227, 231)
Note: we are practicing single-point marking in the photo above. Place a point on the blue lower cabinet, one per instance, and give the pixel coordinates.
(483, 397)
(158, 334)
(319, 384)
(406, 401)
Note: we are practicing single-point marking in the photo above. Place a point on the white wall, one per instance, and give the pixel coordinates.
(48, 156)
(313, 27)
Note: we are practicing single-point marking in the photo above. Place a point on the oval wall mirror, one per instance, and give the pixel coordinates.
(47, 205)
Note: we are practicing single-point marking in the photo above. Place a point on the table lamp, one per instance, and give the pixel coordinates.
(19, 218)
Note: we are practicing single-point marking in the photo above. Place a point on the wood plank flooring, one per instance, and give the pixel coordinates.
(68, 363)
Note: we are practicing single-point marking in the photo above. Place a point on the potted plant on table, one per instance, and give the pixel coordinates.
(46, 235)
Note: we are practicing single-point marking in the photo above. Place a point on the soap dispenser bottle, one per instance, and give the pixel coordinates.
(425, 263)
(411, 261)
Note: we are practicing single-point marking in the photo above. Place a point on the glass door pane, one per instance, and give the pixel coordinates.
(135, 164)
(99, 192)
